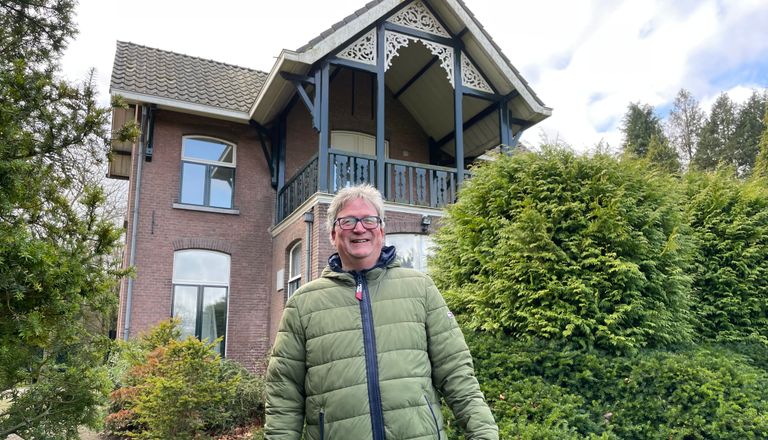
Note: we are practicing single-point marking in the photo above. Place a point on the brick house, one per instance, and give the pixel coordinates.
(234, 170)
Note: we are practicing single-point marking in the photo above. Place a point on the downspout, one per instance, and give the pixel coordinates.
(134, 222)
(309, 219)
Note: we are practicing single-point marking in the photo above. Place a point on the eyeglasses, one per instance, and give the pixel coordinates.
(369, 222)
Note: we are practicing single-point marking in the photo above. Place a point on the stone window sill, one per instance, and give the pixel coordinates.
(206, 209)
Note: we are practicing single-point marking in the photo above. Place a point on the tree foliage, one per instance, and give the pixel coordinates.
(729, 225)
(746, 136)
(684, 125)
(717, 135)
(639, 126)
(761, 162)
(55, 245)
(555, 246)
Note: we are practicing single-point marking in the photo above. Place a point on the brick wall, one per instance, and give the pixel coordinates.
(163, 229)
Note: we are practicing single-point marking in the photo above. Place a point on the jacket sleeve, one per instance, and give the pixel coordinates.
(452, 371)
(285, 380)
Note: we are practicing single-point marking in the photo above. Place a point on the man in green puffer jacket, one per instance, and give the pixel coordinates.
(367, 350)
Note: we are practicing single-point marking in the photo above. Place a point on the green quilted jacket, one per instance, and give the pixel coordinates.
(367, 355)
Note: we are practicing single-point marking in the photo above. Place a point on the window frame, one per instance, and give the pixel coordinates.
(209, 167)
(423, 249)
(200, 295)
(294, 281)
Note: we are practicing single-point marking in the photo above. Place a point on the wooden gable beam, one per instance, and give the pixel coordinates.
(416, 77)
(469, 124)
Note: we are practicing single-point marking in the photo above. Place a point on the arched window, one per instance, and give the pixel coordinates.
(294, 268)
(412, 249)
(207, 172)
(200, 289)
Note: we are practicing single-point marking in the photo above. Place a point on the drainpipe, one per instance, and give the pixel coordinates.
(309, 219)
(134, 222)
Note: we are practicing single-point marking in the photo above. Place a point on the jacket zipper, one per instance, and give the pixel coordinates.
(322, 424)
(434, 417)
(371, 361)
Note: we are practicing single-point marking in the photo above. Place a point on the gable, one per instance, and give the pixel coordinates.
(442, 18)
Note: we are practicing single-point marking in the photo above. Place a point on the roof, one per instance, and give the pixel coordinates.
(343, 22)
(145, 71)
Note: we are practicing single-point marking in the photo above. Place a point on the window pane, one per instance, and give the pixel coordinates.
(412, 249)
(293, 286)
(222, 184)
(198, 266)
(207, 149)
(185, 308)
(214, 319)
(295, 269)
(193, 184)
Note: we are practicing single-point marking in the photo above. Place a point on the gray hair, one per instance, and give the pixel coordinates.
(363, 191)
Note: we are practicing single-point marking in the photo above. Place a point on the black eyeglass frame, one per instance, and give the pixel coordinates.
(357, 220)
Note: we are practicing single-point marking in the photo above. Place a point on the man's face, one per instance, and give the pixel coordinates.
(359, 248)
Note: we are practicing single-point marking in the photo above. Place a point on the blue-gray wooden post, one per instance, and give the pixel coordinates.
(458, 121)
(504, 138)
(322, 157)
(380, 98)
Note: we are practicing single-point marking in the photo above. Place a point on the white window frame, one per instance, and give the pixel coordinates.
(294, 280)
(208, 164)
(200, 285)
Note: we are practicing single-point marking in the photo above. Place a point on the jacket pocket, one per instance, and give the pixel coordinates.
(434, 417)
(322, 424)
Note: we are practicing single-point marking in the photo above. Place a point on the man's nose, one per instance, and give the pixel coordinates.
(360, 225)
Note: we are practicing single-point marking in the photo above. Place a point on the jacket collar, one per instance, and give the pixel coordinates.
(386, 258)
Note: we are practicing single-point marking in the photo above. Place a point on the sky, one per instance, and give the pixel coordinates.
(586, 59)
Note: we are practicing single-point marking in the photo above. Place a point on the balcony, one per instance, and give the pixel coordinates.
(409, 183)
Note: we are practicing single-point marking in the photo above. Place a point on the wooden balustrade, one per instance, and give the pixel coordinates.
(406, 182)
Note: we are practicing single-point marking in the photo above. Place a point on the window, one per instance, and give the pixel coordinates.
(356, 142)
(294, 269)
(207, 172)
(200, 287)
(412, 249)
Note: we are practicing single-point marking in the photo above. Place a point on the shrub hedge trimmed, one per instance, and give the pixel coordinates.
(587, 250)
(603, 299)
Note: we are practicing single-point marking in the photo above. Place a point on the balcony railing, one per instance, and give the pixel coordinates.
(297, 190)
(405, 182)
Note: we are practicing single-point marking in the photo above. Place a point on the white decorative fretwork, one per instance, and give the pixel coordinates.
(470, 76)
(362, 50)
(417, 16)
(395, 41)
(445, 53)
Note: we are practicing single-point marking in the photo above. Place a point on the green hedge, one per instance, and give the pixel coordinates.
(729, 226)
(544, 390)
(588, 250)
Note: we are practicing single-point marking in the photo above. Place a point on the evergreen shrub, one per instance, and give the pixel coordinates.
(550, 245)
(546, 390)
(729, 225)
(181, 389)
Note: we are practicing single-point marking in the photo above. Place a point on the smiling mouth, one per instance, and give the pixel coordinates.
(362, 240)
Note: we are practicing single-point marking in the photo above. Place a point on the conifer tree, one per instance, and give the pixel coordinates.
(55, 247)
(640, 124)
(717, 135)
(746, 137)
(761, 163)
